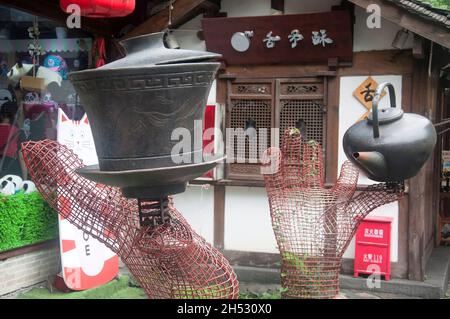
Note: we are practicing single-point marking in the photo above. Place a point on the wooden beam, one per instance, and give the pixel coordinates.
(219, 216)
(183, 11)
(417, 186)
(50, 9)
(409, 21)
(418, 49)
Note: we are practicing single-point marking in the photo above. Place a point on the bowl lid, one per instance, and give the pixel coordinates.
(150, 49)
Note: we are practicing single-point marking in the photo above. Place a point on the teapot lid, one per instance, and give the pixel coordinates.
(386, 115)
(150, 49)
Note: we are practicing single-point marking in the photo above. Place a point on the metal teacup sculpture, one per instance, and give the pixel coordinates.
(314, 224)
(133, 105)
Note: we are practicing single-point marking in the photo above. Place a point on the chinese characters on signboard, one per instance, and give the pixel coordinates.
(284, 39)
(446, 163)
(373, 233)
(364, 93)
(318, 38)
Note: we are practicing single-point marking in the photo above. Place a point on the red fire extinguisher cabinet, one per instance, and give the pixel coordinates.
(373, 247)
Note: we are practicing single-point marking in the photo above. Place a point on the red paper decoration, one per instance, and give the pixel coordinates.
(101, 8)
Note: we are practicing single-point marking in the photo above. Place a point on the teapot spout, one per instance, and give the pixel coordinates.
(372, 162)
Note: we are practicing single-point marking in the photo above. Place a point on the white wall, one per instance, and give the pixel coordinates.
(365, 39)
(197, 206)
(187, 35)
(242, 8)
(247, 220)
(302, 6)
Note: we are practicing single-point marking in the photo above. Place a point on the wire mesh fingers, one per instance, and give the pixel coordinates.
(313, 224)
(169, 259)
(369, 199)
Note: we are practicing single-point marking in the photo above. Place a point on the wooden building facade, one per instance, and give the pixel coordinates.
(233, 212)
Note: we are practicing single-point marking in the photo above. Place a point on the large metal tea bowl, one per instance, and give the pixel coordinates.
(139, 106)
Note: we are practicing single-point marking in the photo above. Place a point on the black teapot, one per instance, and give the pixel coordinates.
(390, 145)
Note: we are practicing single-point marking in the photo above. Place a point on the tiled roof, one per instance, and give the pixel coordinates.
(426, 11)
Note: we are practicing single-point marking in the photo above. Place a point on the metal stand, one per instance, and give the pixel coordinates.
(153, 212)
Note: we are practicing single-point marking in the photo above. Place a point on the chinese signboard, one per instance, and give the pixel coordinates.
(446, 163)
(364, 93)
(309, 38)
(372, 249)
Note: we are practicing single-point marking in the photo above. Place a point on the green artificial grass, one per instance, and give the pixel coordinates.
(116, 289)
(25, 219)
(121, 288)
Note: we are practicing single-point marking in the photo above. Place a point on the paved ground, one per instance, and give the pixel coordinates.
(345, 293)
(260, 289)
(358, 294)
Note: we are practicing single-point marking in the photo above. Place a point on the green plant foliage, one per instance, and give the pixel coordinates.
(25, 219)
(438, 4)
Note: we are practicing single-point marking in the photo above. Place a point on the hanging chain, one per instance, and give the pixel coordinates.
(36, 43)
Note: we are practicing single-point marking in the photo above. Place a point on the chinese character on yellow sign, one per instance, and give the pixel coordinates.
(364, 93)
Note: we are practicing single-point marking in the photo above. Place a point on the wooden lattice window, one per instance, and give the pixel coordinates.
(246, 113)
(300, 103)
(270, 103)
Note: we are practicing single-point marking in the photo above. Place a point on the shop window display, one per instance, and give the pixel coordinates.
(36, 55)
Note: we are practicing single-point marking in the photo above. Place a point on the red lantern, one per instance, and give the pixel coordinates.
(100, 8)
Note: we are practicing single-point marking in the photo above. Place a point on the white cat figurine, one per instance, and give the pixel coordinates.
(77, 136)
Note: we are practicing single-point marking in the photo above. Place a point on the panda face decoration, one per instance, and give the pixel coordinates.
(7, 188)
(47, 98)
(5, 96)
(28, 187)
(31, 98)
(16, 180)
(12, 184)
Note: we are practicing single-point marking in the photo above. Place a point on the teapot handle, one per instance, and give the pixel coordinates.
(376, 100)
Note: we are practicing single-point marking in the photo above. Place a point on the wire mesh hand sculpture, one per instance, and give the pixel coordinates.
(169, 260)
(314, 225)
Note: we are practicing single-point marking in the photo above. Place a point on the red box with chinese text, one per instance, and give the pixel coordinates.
(373, 247)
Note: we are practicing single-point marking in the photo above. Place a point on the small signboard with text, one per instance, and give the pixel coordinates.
(373, 247)
(365, 93)
(445, 163)
(286, 39)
